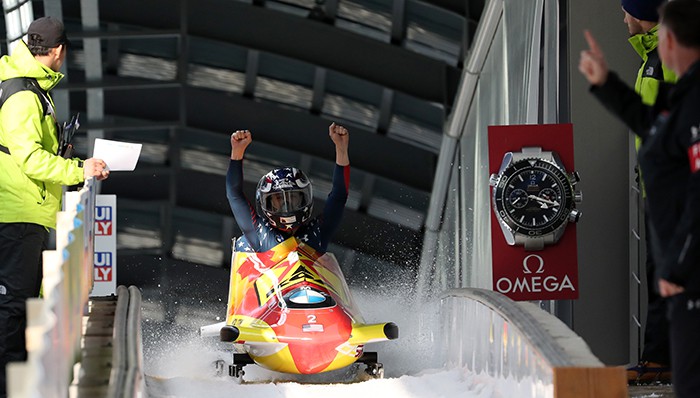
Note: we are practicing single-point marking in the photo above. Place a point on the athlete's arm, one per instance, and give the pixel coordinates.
(243, 212)
(335, 204)
(240, 140)
(341, 138)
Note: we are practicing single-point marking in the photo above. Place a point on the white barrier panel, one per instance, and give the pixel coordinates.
(105, 228)
(54, 322)
(84, 201)
(54, 357)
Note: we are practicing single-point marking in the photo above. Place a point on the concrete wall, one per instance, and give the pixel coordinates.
(601, 315)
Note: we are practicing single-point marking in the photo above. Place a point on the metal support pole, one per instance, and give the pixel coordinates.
(89, 10)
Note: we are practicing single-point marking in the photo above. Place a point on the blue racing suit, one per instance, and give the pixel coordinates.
(259, 236)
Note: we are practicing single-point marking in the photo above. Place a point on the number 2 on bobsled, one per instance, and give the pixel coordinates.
(291, 310)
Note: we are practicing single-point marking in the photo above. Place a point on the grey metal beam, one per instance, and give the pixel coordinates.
(319, 90)
(174, 149)
(174, 160)
(331, 8)
(385, 111)
(269, 30)
(120, 124)
(438, 198)
(61, 99)
(126, 34)
(228, 228)
(301, 131)
(473, 65)
(280, 33)
(398, 22)
(183, 60)
(112, 62)
(165, 228)
(304, 132)
(305, 162)
(367, 190)
(93, 69)
(251, 72)
(111, 83)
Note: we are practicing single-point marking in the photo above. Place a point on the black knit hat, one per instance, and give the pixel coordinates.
(645, 10)
(46, 32)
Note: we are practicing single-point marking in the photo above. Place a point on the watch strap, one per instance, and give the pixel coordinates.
(535, 243)
(530, 152)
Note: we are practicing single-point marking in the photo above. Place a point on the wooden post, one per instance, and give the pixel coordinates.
(602, 382)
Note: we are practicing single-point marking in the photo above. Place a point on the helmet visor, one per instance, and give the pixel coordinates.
(285, 201)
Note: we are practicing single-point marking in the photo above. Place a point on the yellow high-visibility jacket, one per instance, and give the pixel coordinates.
(31, 175)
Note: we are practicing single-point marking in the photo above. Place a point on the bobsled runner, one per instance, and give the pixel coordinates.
(290, 310)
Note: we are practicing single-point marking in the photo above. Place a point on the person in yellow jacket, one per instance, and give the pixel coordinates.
(32, 175)
(642, 19)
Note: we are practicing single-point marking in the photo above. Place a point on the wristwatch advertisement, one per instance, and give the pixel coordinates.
(533, 198)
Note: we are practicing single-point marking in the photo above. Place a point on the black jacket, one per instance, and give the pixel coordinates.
(670, 163)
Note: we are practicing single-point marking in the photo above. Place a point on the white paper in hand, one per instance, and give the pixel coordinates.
(119, 156)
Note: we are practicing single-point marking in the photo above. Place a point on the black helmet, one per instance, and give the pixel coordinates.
(285, 198)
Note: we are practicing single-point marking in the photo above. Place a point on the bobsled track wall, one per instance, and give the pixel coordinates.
(528, 351)
(522, 347)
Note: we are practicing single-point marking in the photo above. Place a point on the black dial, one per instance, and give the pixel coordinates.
(533, 196)
(517, 198)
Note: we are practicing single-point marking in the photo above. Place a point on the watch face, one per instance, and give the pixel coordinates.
(533, 197)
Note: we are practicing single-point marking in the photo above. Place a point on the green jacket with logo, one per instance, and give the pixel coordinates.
(651, 73)
(32, 175)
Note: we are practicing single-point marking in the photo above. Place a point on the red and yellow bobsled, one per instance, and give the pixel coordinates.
(291, 311)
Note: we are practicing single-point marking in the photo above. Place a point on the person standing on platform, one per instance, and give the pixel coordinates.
(32, 175)
(670, 163)
(642, 20)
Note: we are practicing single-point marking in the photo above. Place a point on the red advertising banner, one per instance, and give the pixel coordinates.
(550, 272)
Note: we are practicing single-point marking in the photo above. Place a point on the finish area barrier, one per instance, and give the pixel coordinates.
(527, 351)
(61, 324)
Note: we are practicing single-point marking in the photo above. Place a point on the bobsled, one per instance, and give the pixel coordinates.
(290, 310)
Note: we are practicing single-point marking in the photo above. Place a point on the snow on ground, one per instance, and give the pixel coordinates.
(434, 384)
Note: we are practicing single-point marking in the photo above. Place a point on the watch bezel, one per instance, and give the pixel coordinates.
(528, 164)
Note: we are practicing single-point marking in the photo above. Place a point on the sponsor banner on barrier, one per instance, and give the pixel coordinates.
(550, 273)
(105, 255)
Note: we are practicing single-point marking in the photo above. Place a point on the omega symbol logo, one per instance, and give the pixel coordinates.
(538, 262)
